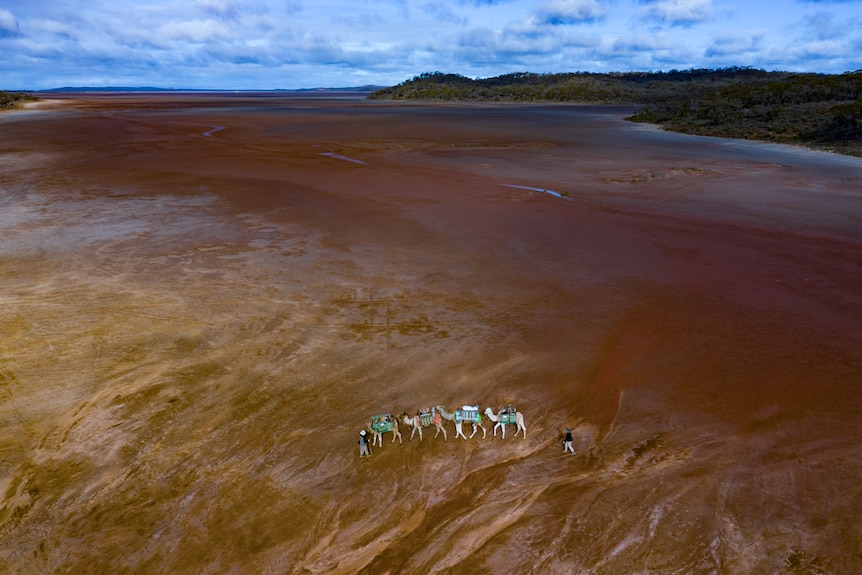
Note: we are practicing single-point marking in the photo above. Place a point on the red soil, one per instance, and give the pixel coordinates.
(196, 323)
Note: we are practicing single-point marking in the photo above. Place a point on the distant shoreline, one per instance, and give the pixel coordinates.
(151, 89)
(56, 98)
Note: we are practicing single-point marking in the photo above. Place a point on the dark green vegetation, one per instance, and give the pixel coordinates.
(817, 110)
(14, 99)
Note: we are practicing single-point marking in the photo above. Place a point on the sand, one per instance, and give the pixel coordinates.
(206, 296)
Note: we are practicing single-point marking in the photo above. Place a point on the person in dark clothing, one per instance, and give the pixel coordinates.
(364, 451)
(567, 442)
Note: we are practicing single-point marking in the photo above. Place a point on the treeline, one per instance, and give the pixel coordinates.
(820, 110)
(14, 99)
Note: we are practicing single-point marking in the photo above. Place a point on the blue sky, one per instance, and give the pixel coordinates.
(267, 44)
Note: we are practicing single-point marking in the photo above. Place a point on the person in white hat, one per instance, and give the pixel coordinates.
(363, 444)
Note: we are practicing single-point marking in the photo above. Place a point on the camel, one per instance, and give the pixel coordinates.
(379, 425)
(458, 419)
(504, 417)
(422, 419)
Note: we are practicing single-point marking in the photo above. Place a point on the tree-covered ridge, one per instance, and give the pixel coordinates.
(628, 87)
(14, 99)
(823, 110)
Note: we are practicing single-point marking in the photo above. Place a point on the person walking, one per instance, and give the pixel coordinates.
(363, 445)
(567, 442)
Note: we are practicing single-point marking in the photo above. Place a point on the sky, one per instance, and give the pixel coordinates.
(292, 44)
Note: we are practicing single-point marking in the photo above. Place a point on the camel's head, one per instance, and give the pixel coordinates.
(488, 411)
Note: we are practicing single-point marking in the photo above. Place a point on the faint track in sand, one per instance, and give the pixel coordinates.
(17, 193)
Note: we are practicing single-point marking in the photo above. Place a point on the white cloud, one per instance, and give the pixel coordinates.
(293, 43)
(8, 23)
(54, 28)
(734, 45)
(566, 12)
(822, 25)
(644, 43)
(440, 11)
(221, 8)
(678, 11)
(196, 31)
(826, 53)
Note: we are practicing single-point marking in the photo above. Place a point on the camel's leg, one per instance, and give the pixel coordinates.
(439, 429)
(459, 430)
(414, 431)
(475, 431)
(484, 431)
(397, 434)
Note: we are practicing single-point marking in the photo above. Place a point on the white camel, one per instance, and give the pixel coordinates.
(379, 425)
(416, 422)
(459, 422)
(507, 418)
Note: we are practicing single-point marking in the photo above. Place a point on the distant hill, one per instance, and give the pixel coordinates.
(818, 110)
(109, 89)
(153, 89)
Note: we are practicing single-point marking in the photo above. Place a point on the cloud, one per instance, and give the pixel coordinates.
(196, 31)
(644, 43)
(270, 43)
(8, 24)
(362, 21)
(440, 12)
(219, 8)
(678, 12)
(734, 45)
(823, 27)
(568, 12)
(828, 52)
(55, 28)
